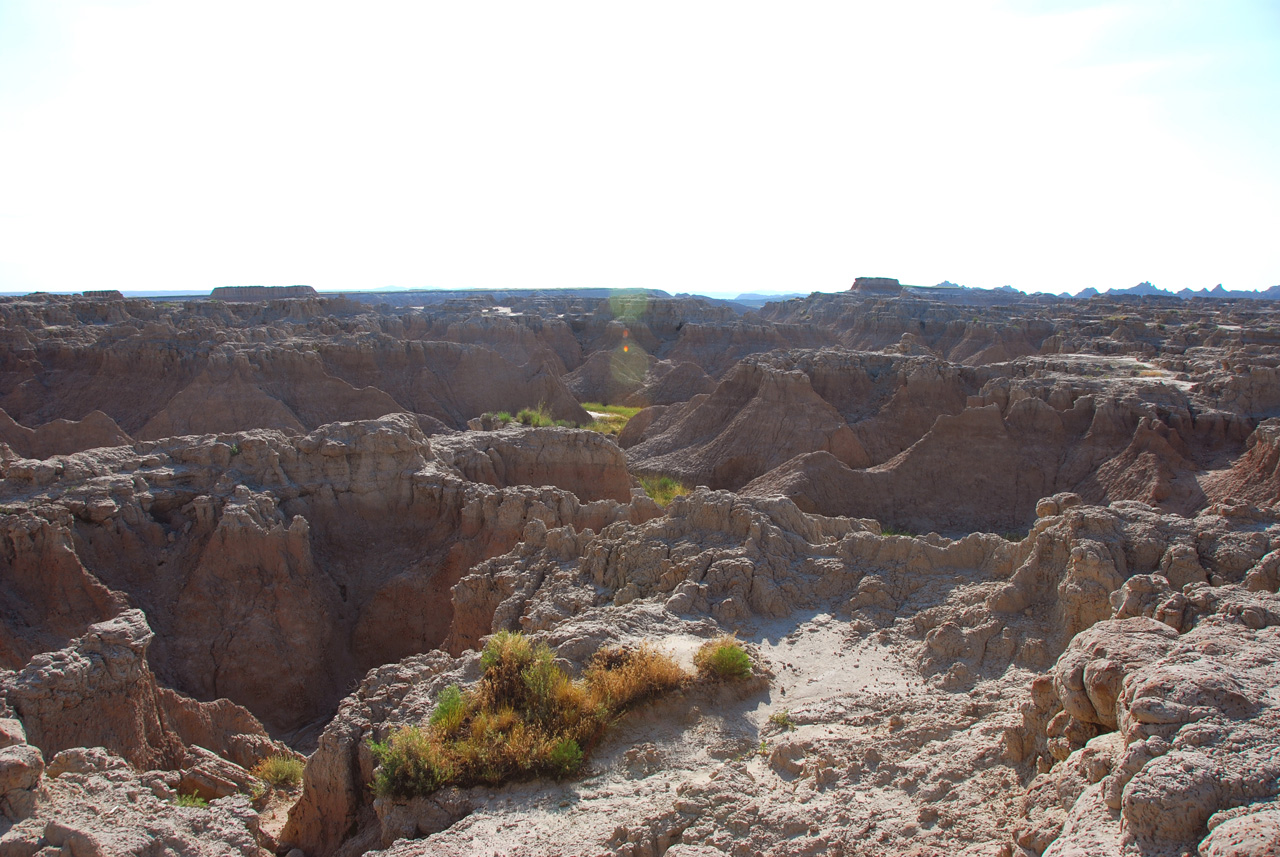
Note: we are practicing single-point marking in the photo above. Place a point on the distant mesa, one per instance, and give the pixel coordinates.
(104, 294)
(877, 286)
(247, 294)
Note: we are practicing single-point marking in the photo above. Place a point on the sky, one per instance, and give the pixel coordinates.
(703, 147)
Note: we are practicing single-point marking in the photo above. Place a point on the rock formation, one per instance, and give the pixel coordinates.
(237, 530)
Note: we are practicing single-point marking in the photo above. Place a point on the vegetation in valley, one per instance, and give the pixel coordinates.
(538, 417)
(663, 489)
(279, 771)
(609, 419)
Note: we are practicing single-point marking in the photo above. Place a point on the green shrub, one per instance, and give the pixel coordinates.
(191, 800)
(280, 771)
(450, 710)
(782, 719)
(409, 763)
(663, 489)
(525, 717)
(565, 757)
(723, 659)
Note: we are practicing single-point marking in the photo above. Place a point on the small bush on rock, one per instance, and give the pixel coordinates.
(723, 659)
(524, 718)
(279, 771)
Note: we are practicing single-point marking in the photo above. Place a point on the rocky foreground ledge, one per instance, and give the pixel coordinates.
(1102, 685)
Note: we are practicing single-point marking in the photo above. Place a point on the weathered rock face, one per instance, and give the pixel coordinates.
(758, 418)
(291, 365)
(61, 436)
(100, 692)
(48, 596)
(1255, 476)
(934, 437)
(1101, 685)
(94, 803)
(97, 692)
(609, 377)
(979, 615)
(669, 382)
(711, 555)
(274, 569)
(1190, 733)
(585, 463)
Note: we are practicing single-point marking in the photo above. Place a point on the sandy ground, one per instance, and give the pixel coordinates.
(847, 749)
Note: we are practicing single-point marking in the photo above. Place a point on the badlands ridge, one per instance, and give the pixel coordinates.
(1006, 568)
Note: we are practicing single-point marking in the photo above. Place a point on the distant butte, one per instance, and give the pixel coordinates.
(248, 294)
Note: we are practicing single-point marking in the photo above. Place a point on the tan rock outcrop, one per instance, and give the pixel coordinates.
(586, 463)
(100, 691)
(61, 437)
(756, 419)
(275, 569)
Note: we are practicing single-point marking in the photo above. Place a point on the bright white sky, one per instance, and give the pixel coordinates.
(689, 146)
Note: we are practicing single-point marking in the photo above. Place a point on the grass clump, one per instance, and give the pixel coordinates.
(782, 719)
(663, 489)
(279, 771)
(191, 800)
(524, 718)
(502, 417)
(538, 417)
(723, 659)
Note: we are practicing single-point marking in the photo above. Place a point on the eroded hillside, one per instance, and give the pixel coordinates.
(233, 531)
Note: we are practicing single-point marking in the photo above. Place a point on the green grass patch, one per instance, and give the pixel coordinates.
(616, 410)
(191, 800)
(279, 771)
(894, 531)
(663, 489)
(524, 718)
(723, 659)
(609, 419)
(538, 417)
